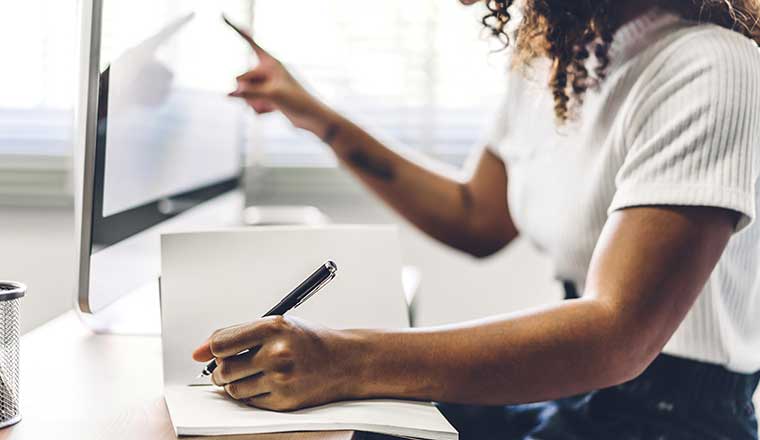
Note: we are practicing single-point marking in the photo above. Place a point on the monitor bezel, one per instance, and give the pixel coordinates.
(94, 231)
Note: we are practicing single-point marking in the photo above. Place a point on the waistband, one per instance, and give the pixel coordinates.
(697, 381)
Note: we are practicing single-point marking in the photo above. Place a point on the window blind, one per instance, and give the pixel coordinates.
(417, 71)
(39, 76)
(37, 90)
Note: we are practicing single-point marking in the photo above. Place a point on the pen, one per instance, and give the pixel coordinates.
(311, 285)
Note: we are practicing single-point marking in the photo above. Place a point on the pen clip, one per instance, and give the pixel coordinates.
(316, 289)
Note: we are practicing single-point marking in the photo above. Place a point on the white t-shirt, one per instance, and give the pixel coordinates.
(676, 122)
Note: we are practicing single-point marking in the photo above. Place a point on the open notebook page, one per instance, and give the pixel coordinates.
(216, 279)
(391, 417)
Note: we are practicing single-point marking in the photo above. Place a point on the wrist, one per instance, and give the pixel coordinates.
(325, 123)
(382, 364)
(353, 353)
(312, 116)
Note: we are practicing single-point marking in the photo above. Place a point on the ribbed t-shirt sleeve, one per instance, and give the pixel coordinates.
(498, 128)
(694, 129)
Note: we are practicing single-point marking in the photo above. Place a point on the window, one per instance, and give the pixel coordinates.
(39, 78)
(37, 91)
(417, 71)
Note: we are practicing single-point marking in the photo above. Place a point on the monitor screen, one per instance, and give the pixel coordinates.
(161, 144)
(166, 127)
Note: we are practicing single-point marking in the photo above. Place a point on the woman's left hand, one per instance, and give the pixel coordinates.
(290, 365)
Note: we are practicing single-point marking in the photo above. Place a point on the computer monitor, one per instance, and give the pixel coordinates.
(160, 144)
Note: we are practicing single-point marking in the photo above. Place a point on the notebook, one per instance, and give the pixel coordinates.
(214, 279)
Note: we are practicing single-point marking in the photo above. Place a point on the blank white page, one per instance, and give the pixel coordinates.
(215, 279)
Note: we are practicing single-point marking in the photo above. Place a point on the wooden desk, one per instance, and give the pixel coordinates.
(77, 385)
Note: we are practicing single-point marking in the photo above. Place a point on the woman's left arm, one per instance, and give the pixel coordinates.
(649, 266)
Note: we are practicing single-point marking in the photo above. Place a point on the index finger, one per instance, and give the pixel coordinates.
(231, 341)
(246, 36)
(203, 353)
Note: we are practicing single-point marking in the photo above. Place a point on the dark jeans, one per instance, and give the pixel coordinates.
(674, 399)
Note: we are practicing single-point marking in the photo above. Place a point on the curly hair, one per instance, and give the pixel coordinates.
(567, 32)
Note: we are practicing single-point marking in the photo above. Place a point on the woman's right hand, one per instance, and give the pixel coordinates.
(270, 87)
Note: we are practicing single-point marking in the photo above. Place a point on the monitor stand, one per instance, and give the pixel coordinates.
(137, 313)
(136, 310)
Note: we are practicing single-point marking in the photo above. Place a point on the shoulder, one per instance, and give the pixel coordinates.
(707, 51)
(694, 68)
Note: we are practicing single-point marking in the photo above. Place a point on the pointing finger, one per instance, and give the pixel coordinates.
(246, 36)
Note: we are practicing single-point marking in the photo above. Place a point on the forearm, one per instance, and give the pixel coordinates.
(433, 198)
(550, 353)
(437, 202)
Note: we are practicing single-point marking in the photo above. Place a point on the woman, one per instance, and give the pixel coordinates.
(627, 150)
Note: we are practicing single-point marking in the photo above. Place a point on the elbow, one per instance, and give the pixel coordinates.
(487, 245)
(629, 367)
(483, 252)
(626, 361)
(624, 350)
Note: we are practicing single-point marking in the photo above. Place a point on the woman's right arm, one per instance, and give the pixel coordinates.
(468, 214)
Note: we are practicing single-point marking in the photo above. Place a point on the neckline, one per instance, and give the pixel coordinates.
(639, 31)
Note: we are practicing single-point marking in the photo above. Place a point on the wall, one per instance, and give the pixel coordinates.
(37, 248)
(455, 287)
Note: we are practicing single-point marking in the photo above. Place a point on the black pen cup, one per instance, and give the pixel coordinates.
(10, 338)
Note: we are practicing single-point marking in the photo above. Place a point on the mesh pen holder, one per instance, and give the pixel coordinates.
(10, 329)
